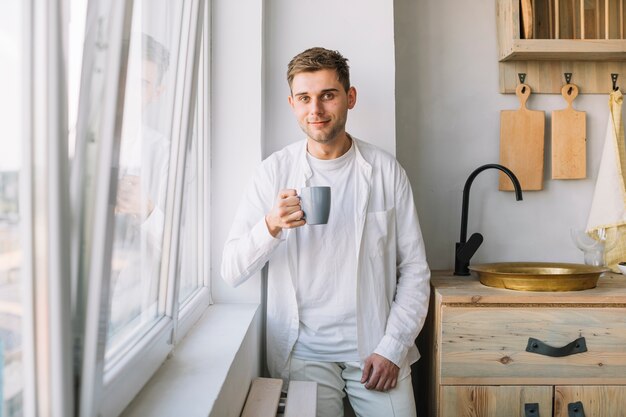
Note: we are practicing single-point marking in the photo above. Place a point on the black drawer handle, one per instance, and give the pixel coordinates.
(575, 409)
(537, 346)
(531, 410)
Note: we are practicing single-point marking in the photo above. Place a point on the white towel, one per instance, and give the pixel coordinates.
(608, 207)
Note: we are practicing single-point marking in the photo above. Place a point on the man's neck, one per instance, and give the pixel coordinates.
(332, 150)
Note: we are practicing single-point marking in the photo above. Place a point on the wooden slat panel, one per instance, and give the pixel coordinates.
(542, 24)
(598, 401)
(263, 398)
(621, 19)
(591, 19)
(567, 19)
(490, 401)
(301, 399)
(490, 343)
(601, 20)
(614, 19)
(557, 19)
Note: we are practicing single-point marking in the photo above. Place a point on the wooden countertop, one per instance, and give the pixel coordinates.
(449, 288)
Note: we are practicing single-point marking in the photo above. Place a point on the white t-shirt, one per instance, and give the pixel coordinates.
(326, 283)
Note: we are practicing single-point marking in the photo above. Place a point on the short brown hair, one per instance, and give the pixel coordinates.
(315, 59)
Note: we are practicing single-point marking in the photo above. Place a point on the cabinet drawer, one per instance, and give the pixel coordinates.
(494, 401)
(596, 401)
(487, 345)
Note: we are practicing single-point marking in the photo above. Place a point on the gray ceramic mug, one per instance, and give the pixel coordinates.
(315, 203)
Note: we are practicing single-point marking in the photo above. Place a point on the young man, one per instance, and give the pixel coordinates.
(347, 299)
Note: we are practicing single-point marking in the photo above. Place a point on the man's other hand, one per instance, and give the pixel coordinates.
(379, 373)
(286, 213)
(129, 199)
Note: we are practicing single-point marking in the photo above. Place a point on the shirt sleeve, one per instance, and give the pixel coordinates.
(249, 244)
(410, 304)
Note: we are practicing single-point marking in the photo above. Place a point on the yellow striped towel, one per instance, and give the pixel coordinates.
(608, 207)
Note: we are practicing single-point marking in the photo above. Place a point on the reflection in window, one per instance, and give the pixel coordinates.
(142, 178)
(11, 373)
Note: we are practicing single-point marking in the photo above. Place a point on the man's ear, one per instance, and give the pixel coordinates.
(351, 97)
(290, 99)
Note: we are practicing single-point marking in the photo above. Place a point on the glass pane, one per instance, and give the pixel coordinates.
(78, 9)
(191, 224)
(143, 171)
(190, 221)
(11, 375)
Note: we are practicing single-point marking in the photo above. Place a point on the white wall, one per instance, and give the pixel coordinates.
(448, 116)
(253, 40)
(363, 32)
(236, 122)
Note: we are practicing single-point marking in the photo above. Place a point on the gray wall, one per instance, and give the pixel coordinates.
(236, 124)
(448, 117)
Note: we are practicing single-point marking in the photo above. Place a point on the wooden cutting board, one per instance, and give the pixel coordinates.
(526, 8)
(569, 139)
(522, 143)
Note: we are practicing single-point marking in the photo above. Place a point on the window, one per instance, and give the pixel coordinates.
(142, 173)
(11, 306)
(142, 189)
(111, 247)
(192, 244)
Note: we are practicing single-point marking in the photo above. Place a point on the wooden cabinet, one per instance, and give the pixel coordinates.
(546, 38)
(494, 352)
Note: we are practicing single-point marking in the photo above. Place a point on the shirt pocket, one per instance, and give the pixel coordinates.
(377, 232)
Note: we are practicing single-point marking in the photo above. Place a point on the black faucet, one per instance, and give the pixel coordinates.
(465, 249)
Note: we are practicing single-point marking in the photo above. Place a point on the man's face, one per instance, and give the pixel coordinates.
(321, 104)
(151, 86)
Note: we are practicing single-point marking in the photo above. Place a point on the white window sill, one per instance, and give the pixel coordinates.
(210, 370)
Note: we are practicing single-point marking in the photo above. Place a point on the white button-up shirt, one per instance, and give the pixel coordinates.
(392, 273)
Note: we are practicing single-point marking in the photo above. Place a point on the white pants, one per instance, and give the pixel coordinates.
(336, 379)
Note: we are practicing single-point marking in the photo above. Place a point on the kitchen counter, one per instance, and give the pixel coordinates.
(495, 352)
(611, 288)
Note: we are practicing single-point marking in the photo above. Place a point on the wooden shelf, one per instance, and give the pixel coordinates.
(591, 61)
(591, 77)
(565, 50)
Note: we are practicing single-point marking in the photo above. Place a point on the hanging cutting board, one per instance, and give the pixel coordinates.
(569, 139)
(526, 8)
(522, 143)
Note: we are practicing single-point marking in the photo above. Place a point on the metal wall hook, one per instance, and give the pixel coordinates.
(568, 80)
(568, 77)
(522, 77)
(614, 80)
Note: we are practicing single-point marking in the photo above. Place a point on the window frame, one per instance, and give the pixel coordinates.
(187, 313)
(44, 211)
(67, 245)
(107, 388)
(94, 271)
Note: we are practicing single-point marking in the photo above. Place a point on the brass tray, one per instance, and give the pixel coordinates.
(538, 276)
